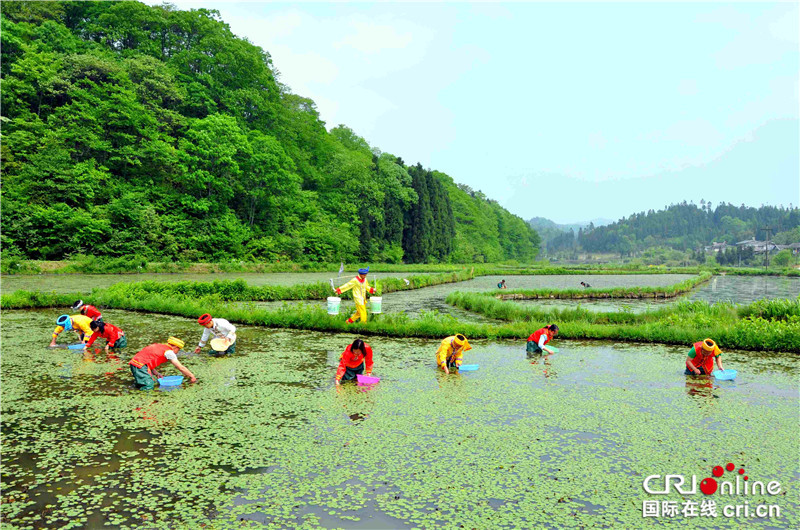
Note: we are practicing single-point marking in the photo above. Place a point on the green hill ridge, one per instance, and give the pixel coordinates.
(131, 130)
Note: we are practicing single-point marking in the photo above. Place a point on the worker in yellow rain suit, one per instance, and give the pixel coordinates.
(360, 287)
(451, 352)
(77, 323)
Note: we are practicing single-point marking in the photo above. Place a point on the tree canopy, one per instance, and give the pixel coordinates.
(146, 130)
(687, 226)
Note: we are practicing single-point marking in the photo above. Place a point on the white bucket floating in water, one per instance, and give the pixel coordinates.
(333, 305)
(375, 304)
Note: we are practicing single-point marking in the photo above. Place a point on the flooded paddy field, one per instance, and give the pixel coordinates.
(264, 437)
(734, 289)
(737, 289)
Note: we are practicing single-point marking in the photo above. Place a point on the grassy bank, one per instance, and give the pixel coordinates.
(93, 265)
(764, 326)
(668, 291)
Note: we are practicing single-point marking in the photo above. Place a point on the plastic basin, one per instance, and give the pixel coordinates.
(724, 375)
(171, 380)
(367, 379)
(468, 367)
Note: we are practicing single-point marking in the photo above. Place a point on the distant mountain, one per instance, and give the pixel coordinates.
(557, 236)
(600, 221)
(543, 223)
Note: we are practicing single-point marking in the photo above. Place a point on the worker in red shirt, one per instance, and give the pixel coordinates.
(115, 337)
(356, 359)
(144, 364)
(540, 337)
(88, 310)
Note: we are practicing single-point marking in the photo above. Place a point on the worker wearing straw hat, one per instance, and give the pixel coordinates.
(700, 359)
(360, 287)
(451, 352)
(220, 329)
(80, 324)
(144, 364)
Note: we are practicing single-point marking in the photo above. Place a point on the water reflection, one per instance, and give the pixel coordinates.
(700, 389)
(357, 401)
(548, 370)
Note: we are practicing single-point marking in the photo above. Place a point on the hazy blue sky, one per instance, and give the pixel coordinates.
(569, 111)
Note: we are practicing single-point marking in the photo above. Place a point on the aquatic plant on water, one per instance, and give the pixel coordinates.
(265, 439)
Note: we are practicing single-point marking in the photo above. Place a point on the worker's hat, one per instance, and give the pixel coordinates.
(65, 322)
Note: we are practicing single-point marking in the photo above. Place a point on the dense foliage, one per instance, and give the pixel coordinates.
(687, 226)
(131, 130)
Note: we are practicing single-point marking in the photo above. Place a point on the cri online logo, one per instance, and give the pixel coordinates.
(661, 484)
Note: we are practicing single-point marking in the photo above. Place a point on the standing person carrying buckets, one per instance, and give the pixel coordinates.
(360, 287)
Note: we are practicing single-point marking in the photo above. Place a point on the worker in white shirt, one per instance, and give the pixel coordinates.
(220, 329)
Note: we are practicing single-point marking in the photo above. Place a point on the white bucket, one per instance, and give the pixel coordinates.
(333, 305)
(375, 304)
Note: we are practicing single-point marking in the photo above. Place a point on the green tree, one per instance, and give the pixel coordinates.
(783, 258)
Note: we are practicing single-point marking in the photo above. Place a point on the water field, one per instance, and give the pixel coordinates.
(265, 438)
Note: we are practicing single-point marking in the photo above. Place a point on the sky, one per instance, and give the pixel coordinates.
(569, 111)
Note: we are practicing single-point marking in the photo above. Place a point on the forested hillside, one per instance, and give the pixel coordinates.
(687, 226)
(150, 131)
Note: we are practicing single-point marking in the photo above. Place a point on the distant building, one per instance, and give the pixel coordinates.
(758, 247)
(717, 247)
(794, 247)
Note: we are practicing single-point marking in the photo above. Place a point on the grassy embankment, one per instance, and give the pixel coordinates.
(93, 265)
(765, 325)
